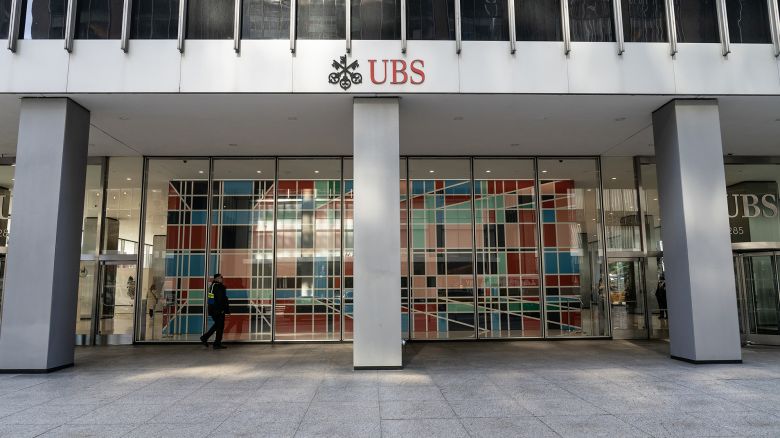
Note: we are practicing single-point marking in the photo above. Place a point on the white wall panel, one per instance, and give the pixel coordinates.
(536, 67)
(210, 66)
(748, 69)
(39, 66)
(150, 66)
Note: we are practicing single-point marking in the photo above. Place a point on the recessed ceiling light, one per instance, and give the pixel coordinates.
(12, 179)
(200, 171)
(655, 199)
(316, 171)
(614, 178)
(13, 165)
(259, 171)
(129, 179)
(544, 171)
(589, 190)
(488, 171)
(430, 171)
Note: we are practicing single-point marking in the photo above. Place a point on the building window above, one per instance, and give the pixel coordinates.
(538, 20)
(98, 19)
(154, 20)
(376, 19)
(265, 19)
(484, 20)
(644, 21)
(592, 20)
(697, 21)
(748, 21)
(210, 19)
(43, 19)
(5, 17)
(321, 19)
(430, 19)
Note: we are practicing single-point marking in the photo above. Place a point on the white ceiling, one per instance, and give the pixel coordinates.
(276, 124)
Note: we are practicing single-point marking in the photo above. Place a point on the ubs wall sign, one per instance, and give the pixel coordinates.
(396, 71)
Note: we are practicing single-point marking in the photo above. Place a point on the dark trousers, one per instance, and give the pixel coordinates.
(218, 327)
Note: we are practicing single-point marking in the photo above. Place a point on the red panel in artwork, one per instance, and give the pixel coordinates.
(529, 264)
(549, 235)
(566, 215)
(531, 323)
(513, 263)
(197, 283)
(237, 283)
(510, 186)
(348, 268)
(527, 216)
(198, 237)
(285, 186)
(305, 185)
(173, 202)
(237, 324)
(569, 280)
(525, 184)
(551, 280)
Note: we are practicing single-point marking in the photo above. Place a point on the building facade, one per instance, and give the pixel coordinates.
(379, 171)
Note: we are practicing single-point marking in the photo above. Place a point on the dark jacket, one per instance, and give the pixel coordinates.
(220, 302)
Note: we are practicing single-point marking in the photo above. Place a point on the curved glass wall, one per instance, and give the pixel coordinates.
(99, 19)
(591, 20)
(572, 243)
(430, 19)
(210, 19)
(538, 20)
(748, 21)
(321, 19)
(484, 20)
(644, 21)
(697, 21)
(376, 20)
(154, 19)
(44, 19)
(265, 19)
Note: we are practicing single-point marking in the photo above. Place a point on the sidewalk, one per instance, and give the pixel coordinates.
(495, 389)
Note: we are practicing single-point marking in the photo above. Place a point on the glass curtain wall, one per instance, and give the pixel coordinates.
(644, 21)
(175, 224)
(242, 244)
(442, 289)
(265, 19)
(210, 19)
(697, 21)
(621, 205)
(505, 215)
(99, 19)
(430, 19)
(376, 19)
(572, 242)
(44, 19)
(321, 19)
(308, 254)
(90, 245)
(591, 20)
(538, 20)
(484, 20)
(5, 17)
(154, 20)
(6, 202)
(748, 21)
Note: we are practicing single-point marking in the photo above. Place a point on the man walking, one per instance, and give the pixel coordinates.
(219, 306)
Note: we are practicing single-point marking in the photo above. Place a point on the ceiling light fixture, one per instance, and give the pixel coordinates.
(544, 171)
(316, 171)
(488, 171)
(259, 171)
(614, 178)
(431, 171)
(129, 179)
(201, 172)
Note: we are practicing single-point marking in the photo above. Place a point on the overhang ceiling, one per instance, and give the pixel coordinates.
(275, 124)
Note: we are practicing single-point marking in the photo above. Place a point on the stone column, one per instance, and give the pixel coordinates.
(377, 269)
(701, 290)
(41, 288)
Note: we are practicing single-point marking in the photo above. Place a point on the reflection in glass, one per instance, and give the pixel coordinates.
(321, 19)
(656, 299)
(123, 206)
(753, 193)
(98, 19)
(117, 299)
(154, 19)
(762, 294)
(5, 17)
(484, 20)
(430, 19)
(175, 228)
(621, 205)
(572, 244)
(591, 20)
(44, 19)
(697, 21)
(376, 19)
(308, 255)
(644, 21)
(442, 242)
(627, 299)
(652, 208)
(748, 21)
(538, 20)
(242, 244)
(265, 19)
(86, 297)
(210, 19)
(508, 292)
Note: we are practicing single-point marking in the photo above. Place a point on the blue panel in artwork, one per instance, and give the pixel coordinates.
(348, 185)
(550, 263)
(418, 187)
(456, 187)
(548, 215)
(194, 324)
(213, 265)
(439, 216)
(197, 265)
(321, 282)
(567, 264)
(285, 294)
(238, 294)
(170, 265)
(430, 186)
(495, 320)
(238, 187)
(404, 322)
(198, 217)
(442, 322)
(237, 217)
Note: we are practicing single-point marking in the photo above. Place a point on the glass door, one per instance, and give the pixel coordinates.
(627, 299)
(116, 302)
(759, 284)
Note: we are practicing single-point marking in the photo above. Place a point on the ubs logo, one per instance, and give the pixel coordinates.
(397, 71)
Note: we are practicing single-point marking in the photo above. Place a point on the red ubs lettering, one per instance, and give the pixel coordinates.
(399, 71)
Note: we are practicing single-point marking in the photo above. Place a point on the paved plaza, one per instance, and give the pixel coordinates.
(495, 389)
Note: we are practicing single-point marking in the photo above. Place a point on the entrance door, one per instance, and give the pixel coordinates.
(759, 296)
(627, 299)
(116, 302)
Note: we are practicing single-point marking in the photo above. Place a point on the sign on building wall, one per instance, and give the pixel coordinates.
(754, 212)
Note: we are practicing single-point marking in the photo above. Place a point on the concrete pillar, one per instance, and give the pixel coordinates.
(701, 291)
(41, 286)
(377, 270)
